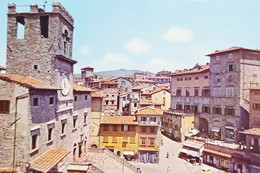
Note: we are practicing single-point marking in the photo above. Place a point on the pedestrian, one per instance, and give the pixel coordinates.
(168, 169)
(200, 160)
(167, 155)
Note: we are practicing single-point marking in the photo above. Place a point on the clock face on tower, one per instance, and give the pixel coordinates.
(65, 85)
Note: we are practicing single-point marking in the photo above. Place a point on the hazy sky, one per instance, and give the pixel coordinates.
(151, 35)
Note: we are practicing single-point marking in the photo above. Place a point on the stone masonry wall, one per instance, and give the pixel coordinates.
(10, 91)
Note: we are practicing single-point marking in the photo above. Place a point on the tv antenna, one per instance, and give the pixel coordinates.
(45, 2)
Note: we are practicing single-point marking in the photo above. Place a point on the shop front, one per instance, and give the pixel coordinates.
(215, 133)
(217, 159)
(240, 163)
(129, 154)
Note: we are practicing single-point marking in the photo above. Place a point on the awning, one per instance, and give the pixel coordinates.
(128, 153)
(230, 127)
(77, 168)
(197, 145)
(193, 132)
(49, 159)
(215, 129)
(217, 153)
(193, 153)
(183, 150)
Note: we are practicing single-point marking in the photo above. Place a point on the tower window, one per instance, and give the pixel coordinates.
(36, 101)
(44, 23)
(20, 27)
(51, 101)
(65, 47)
(34, 141)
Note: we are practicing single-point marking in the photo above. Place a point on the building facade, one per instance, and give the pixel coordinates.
(231, 72)
(190, 96)
(95, 120)
(177, 125)
(149, 120)
(120, 135)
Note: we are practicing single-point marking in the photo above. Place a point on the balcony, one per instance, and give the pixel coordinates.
(149, 123)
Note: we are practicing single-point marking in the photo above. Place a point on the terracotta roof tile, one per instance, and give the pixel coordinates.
(231, 49)
(156, 90)
(196, 69)
(2, 67)
(119, 120)
(109, 82)
(81, 88)
(139, 87)
(7, 169)
(193, 144)
(150, 111)
(157, 77)
(144, 80)
(49, 159)
(88, 67)
(253, 131)
(27, 81)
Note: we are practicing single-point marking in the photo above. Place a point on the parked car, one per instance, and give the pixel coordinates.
(206, 170)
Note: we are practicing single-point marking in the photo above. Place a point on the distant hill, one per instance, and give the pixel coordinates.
(117, 73)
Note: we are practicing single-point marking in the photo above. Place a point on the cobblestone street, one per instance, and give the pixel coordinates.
(173, 164)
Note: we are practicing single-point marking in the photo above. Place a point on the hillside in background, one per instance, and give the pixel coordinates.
(117, 73)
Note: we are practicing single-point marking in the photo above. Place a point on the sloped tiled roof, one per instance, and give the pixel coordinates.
(49, 159)
(157, 77)
(108, 82)
(2, 67)
(144, 80)
(156, 90)
(193, 144)
(253, 131)
(149, 111)
(28, 82)
(231, 49)
(7, 169)
(119, 120)
(196, 69)
(106, 163)
(81, 88)
(139, 87)
(88, 67)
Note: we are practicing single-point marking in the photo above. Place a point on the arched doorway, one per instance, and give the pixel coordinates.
(203, 127)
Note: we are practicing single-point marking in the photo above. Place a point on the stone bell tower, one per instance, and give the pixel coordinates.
(39, 43)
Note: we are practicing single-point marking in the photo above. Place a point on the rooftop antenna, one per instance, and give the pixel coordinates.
(45, 2)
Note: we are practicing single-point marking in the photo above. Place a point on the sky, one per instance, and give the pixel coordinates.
(151, 35)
